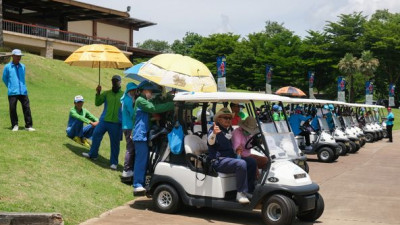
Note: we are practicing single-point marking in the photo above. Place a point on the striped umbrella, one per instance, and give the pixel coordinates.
(290, 91)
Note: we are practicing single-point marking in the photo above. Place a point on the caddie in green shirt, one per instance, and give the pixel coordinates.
(77, 117)
(110, 121)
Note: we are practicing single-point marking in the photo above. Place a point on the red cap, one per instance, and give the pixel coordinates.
(389, 108)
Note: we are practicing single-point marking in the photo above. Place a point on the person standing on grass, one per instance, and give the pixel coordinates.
(127, 101)
(77, 116)
(110, 121)
(14, 79)
(143, 109)
(389, 123)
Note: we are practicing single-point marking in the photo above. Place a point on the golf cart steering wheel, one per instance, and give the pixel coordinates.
(255, 141)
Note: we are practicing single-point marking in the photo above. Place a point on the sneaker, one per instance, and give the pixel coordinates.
(309, 147)
(30, 129)
(128, 173)
(15, 128)
(86, 155)
(113, 167)
(85, 142)
(241, 198)
(77, 140)
(139, 189)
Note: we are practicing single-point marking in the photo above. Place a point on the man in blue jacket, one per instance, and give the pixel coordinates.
(389, 123)
(295, 121)
(14, 79)
(127, 101)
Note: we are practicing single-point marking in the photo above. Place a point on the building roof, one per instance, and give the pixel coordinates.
(56, 12)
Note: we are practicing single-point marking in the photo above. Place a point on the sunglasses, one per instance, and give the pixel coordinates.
(226, 117)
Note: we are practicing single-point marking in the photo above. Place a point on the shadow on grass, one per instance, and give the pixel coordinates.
(209, 215)
(78, 150)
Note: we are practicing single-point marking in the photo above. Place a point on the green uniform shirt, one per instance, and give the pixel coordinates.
(112, 106)
(84, 115)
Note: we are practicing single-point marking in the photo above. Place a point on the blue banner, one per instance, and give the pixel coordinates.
(310, 79)
(341, 84)
(221, 66)
(391, 90)
(268, 73)
(369, 88)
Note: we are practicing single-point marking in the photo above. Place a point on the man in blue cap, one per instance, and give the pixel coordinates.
(144, 107)
(127, 101)
(110, 121)
(77, 116)
(14, 79)
(295, 121)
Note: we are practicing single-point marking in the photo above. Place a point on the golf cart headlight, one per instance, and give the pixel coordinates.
(300, 175)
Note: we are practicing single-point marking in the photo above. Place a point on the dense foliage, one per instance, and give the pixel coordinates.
(372, 43)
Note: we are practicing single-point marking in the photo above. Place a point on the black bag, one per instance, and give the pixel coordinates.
(206, 163)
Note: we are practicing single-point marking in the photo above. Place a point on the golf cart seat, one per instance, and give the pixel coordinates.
(194, 145)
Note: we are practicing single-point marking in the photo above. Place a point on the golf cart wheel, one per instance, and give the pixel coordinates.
(326, 154)
(278, 210)
(362, 142)
(312, 215)
(306, 167)
(385, 134)
(369, 137)
(166, 199)
(343, 148)
(353, 147)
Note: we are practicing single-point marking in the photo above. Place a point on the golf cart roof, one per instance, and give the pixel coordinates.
(313, 101)
(364, 105)
(239, 97)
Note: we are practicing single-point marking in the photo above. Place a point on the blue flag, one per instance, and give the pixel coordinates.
(310, 79)
(268, 72)
(391, 90)
(341, 84)
(369, 88)
(221, 66)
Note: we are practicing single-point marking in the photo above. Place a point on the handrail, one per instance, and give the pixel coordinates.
(42, 31)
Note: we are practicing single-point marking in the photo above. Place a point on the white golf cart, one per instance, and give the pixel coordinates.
(323, 144)
(283, 192)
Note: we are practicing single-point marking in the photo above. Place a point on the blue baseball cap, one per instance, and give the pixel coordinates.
(116, 77)
(147, 85)
(16, 52)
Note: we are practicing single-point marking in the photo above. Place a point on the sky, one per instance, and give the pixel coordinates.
(176, 17)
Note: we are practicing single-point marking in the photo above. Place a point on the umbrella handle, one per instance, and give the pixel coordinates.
(99, 73)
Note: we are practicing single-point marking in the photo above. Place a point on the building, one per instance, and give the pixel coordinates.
(56, 28)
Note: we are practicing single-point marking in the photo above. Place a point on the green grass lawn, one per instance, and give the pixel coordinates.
(43, 171)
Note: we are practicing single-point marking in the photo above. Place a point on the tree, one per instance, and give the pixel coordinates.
(383, 39)
(213, 46)
(185, 46)
(155, 45)
(368, 64)
(349, 66)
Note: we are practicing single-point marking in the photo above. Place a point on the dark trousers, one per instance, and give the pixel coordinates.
(130, 151)
(389, 131)
(306, 135)
(12, 100)
(244, 168)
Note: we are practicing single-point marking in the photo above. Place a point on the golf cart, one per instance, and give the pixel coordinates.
(283, 191)
(322, 142)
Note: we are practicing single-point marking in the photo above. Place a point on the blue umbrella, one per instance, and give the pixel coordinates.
(133, 72)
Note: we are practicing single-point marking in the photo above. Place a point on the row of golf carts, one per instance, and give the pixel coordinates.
(284, 190)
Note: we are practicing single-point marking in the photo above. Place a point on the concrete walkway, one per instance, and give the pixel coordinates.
(358, 189)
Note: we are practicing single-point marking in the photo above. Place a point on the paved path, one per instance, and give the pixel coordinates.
(358, 189)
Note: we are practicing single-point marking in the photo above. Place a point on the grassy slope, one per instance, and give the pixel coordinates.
(44, 171)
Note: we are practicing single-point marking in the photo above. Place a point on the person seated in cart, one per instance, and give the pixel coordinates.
(275, 114)
(247, 128)
(224, 158)
(295, 122)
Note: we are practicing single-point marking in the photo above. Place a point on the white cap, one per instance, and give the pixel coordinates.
(78, 98)
(16, 52)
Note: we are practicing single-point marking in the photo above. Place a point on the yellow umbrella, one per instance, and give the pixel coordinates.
(98, 56)
(181, 64)
(178, 71)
